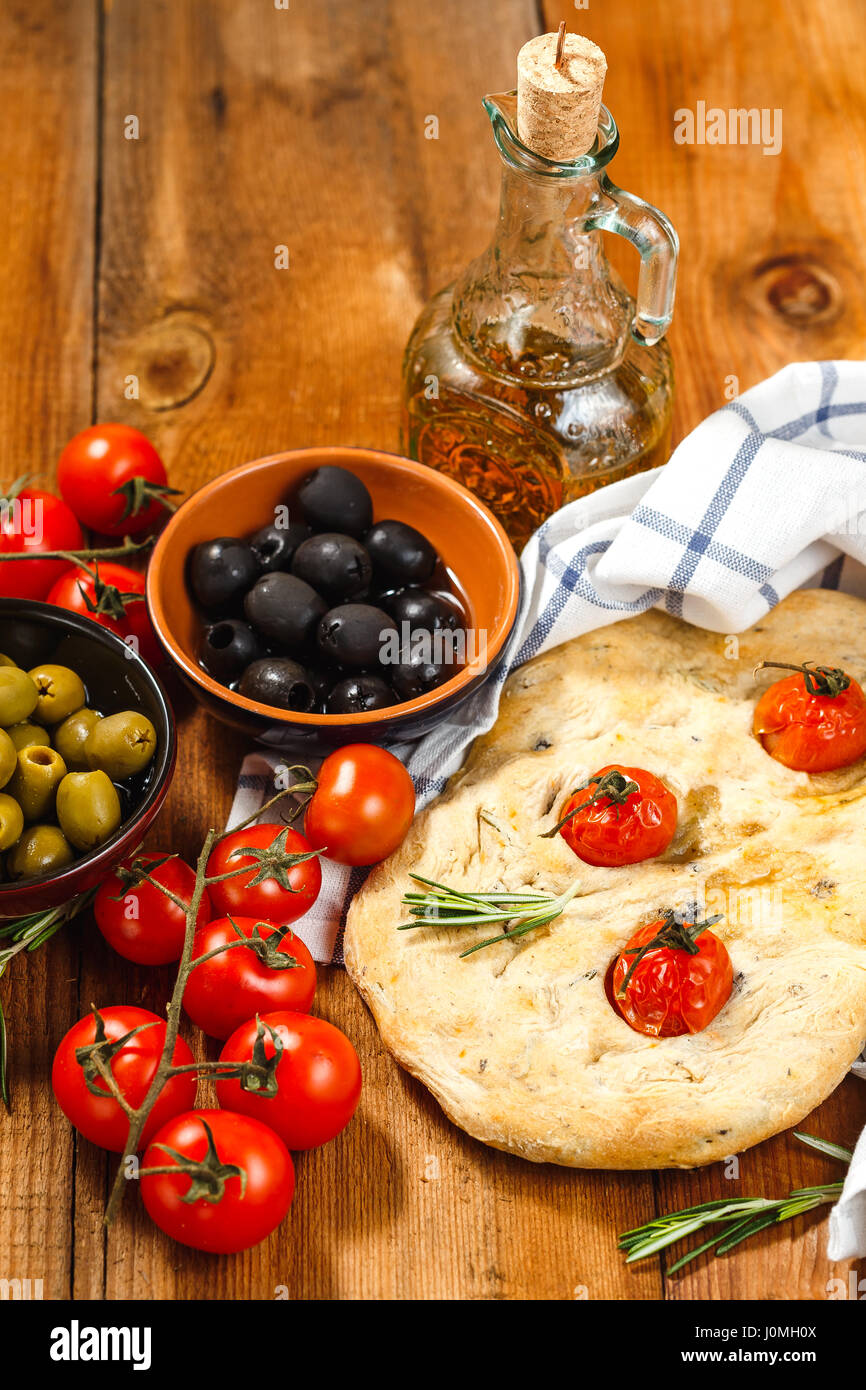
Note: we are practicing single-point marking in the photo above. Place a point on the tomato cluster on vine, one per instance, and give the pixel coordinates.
(223, 1179)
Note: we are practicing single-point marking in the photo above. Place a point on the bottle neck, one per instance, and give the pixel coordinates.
(541, 306)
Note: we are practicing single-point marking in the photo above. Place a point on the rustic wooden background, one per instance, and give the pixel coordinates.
(154, 257)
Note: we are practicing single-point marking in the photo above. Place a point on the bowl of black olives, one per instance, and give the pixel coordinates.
(87, 751)
(324, 596)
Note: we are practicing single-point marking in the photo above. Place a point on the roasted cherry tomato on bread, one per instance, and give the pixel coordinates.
(32, 521)
(318, 1078)
(283, 880)
(672, 978)
(273, 971)
(113, 479)
(362, 807)
(138, 920)
(622, 816)
(133, 1064)
(813, 720)
(234, 1181)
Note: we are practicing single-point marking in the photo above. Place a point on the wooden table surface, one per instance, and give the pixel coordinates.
(152, 259)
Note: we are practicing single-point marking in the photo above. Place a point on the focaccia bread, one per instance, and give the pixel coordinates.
(518, 1042)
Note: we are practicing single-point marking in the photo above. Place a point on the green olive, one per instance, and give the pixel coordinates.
(7, 660)
(11, 821)
(121, 744)
(41, 850)
(18, 695)
(35, 781)
(88, 808)
(7, 748)
(59, 690)
(25, 734)
(71, 736)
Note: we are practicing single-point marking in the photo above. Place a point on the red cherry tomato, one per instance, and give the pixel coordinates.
(101, 1120)
(623, 827)
(31, 522)
(248, 1208)
(66, 593)
(223, 992)
(78, 592)
(271, 900)
(133, 622)
(139, 921)
(362, 807)
(671, 991)
(318, 1079)
(99, 461)
(808, 729)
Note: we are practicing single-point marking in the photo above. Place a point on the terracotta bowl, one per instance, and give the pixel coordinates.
(115, 678)
(472, 544)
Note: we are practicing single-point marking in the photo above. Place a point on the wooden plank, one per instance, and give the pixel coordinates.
(306, 128)
(772, 259)
(767, 277)
(791, 1261)
(47, 167)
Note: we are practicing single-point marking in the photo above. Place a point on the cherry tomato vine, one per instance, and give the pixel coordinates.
(255, 1074)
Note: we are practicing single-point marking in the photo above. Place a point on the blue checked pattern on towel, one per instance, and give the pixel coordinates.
(765, 496)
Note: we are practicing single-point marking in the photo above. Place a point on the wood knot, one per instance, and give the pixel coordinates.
(799, 290)
(173, 362)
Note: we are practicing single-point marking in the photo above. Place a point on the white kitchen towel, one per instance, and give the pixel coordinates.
(765, 496)
(847, 1239)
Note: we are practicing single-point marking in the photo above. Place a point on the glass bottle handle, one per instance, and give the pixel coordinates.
(657, 242)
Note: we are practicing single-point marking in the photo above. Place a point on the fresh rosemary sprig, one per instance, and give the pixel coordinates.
(739, 1217)
(27, 934)
(442, 906)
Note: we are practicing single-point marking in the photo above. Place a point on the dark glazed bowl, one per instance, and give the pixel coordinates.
(475, 550)
(115, 678)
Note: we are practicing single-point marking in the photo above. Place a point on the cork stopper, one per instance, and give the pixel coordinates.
(558, 101)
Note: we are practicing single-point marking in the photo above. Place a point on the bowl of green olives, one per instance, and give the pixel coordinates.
(333, 595)
(87, 751)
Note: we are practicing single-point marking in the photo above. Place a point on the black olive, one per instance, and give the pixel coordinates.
(423, 611)
(337, 566)
(274, 546)
(355, 633)
(357, 694)
(226, 648)
(221, 571)
(277, 681)
(400, 552)
(413, 676)
(383, 593)
(321, 678)
(284, 610)
(333, 499)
